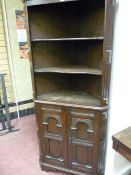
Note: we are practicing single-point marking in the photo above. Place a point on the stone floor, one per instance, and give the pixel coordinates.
(19, 154)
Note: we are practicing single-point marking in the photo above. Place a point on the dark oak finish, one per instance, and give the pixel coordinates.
(53, 143)
(71, 49)
(68, 138)
(122, 143)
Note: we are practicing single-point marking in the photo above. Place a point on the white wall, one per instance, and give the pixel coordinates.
(21, 67)
(120, 96)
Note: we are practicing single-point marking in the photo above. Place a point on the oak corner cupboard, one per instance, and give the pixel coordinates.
(71, 50)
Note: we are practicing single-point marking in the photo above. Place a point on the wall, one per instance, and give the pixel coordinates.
(4, 64)
(120, 103)
(18, 79)
(21, 66)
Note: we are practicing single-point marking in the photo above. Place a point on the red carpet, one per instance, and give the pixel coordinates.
(19, 154)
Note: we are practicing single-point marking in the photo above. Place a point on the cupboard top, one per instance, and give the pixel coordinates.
(101, 108)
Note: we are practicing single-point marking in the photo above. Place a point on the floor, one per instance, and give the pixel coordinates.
(19, 154)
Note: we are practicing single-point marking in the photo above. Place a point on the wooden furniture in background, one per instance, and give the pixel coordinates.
(122, 143)
(71, 44)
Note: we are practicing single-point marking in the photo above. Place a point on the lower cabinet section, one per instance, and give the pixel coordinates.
(70, 140)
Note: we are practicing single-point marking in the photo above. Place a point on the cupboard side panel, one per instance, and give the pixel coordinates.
(107, 49)
(30, 52)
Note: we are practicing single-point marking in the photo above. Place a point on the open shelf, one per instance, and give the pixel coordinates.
(68, 54)
(54, 82)
(78, 20)
(70, 97)
(67, 39)
(69, 70)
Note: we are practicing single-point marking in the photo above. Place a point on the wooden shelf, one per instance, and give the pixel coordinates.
(70, 97)
(69, 70)
(67, 39)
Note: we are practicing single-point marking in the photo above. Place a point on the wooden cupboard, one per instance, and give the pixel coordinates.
(71, 50)
(71, 139)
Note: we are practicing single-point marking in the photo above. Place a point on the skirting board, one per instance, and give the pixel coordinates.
(22, 112)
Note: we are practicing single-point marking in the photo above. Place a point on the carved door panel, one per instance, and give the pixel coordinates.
(53, 142)
(80, 142)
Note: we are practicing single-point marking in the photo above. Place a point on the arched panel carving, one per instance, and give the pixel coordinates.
(57, 117)
(76, 121)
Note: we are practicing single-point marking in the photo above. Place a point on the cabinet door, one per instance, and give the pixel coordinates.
(80, 141)
(52, 134)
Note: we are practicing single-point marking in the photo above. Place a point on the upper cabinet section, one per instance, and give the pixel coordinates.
(72, 20)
